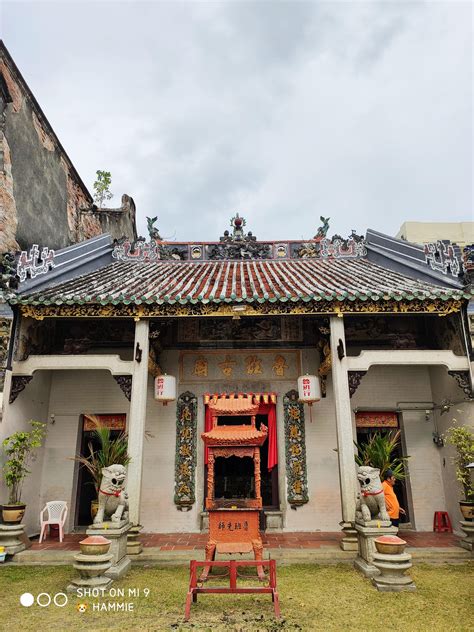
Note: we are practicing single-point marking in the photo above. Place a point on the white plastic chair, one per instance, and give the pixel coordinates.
(56, 514)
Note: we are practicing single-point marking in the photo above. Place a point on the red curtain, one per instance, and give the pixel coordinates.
(264, 409)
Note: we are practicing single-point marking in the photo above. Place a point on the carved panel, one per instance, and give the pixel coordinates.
(415, 306)
(19, 383)
(295, 450)
(462, 378)
(244, 330)
(186, 432)
(125, 383)
(355, 378)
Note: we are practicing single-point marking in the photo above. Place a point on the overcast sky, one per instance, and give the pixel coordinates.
(280, 111)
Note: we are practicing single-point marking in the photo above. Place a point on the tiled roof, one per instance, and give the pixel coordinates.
(169, 282)
(235, 435)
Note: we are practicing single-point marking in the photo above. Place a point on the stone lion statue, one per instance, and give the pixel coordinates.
(371, 505)
(113, 499)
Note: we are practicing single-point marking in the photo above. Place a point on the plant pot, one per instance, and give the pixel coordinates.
(94, 508)
(467, 509)
(95, 545)
(390, 544)
(13, 514)
(54, 530)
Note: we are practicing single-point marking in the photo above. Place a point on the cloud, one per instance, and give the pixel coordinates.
(281, 111)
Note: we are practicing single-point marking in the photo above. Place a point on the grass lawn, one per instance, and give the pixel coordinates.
(311, 598)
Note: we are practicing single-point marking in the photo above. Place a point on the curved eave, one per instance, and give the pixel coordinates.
(443, 295)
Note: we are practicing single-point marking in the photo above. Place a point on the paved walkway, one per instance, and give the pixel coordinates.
(295, 540)
(286, 548)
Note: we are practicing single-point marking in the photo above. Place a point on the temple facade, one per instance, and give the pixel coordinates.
(381, 322)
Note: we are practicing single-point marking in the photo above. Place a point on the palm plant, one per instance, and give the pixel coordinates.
(378, 451)
(112, 451)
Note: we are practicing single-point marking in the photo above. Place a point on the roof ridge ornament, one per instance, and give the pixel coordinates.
(35, 263)
(239, 245)
(322, 230)
(337, 247)
(140, 250)
(152, 231)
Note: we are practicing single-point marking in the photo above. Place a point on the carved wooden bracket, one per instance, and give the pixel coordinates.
(355, 378)
(462, 378)
(125, 383)
(18, 384)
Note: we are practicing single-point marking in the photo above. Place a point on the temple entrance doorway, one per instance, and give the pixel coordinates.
(234, 476)
(86, 492)
(369, 423)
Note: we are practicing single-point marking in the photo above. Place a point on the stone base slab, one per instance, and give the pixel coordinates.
(392, 569)
(134, 546)
(367, 569)
(117, 533)
(467, 526)
(204, 522)
(399, 588)
(366, 534)
(273, 521)
(91, 569)
(349, 541)
(12, 538)
(120, 569)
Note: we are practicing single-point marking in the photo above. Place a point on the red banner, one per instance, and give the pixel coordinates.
(366, 419)
(113, 422)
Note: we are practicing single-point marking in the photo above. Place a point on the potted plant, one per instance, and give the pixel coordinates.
(111, 451)
(378, 451)
(19, 449)
(462, 438)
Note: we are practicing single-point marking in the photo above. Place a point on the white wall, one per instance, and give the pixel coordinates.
(31, 404)
(76, 392)
(158, 511)
(73, 393)
(462, 413)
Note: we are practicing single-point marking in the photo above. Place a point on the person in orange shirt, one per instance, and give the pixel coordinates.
(391, 501)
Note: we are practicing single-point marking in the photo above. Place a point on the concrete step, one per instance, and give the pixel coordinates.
(322, 555)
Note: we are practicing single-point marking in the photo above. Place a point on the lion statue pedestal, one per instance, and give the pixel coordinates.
(372, 519)
(112, 520)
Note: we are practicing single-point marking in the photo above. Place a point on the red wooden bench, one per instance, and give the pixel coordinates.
(196, 586)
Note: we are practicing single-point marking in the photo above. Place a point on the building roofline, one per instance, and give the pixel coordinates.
(4, 53)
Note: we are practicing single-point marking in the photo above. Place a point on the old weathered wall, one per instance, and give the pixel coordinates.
(47, 196)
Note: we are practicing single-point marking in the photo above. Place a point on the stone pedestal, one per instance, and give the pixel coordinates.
(116, 532)
(134, 546)
(366, 534)
(467, 526)
(349, 539)
(204, 522)
(92, 569)
(12, 538)
(392, 569)
(273, 522)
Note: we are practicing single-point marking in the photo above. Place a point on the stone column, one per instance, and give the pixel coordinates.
(345, 445)
(137, 418)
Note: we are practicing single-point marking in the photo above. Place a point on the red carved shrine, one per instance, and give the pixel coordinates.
(234, 523)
